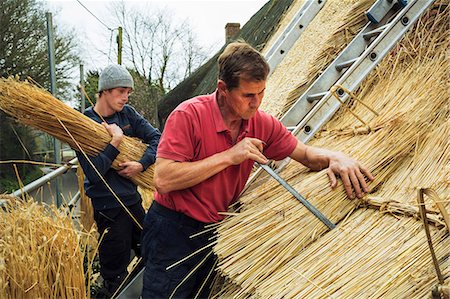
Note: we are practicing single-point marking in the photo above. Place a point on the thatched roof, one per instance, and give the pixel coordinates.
(275, 248)
(256, 32)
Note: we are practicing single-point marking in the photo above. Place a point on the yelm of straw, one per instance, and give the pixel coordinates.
(36, 107)
(41, 253)
(273, 228)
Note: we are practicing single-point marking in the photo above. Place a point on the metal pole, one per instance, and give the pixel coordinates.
(44, 179)
(119, 46)
(51, 59)
(83, 104)
(300, 198)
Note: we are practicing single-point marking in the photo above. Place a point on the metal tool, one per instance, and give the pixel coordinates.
(300, 198)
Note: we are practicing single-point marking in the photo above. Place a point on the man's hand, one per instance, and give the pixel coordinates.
(130, 169)
(115, 132)
(352, 174)
(247, 149)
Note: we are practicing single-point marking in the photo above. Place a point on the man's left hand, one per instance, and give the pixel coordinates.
(130, 169)
(352, 174)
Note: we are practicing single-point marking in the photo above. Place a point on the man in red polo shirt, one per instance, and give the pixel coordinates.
(204, 159)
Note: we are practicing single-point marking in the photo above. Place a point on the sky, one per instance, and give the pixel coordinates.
(207, 18)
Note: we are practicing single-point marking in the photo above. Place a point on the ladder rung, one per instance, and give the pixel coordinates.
(340, 66)
(314, 97)
(375, 32)
(379, 9)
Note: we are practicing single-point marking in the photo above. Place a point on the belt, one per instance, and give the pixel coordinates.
(175, 216)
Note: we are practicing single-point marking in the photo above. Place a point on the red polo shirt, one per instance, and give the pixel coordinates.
(194, 131)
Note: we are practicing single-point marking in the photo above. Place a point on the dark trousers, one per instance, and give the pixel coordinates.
(115, 247)
(166, 240)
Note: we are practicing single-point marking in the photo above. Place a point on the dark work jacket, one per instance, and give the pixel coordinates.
(133, 125)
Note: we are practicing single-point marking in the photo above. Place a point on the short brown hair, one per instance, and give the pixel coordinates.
(240, 60)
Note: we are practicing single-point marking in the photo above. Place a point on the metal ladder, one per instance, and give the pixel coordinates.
(317, 105)
(292, 32)
(389, 21)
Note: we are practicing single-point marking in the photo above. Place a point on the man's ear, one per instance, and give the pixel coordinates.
(221, 87)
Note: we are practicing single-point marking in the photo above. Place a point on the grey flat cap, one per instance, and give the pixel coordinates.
(113, 76)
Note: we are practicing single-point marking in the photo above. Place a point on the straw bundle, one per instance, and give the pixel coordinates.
(330, 31)
(147, 197)
(274, 228)
(36, 107)
(427, 167)
(41, 252)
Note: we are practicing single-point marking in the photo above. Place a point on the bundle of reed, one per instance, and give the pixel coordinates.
(313, 51)
(147, 197)
(256, 243)
(41, 252)
(33, 106)
(371, 255)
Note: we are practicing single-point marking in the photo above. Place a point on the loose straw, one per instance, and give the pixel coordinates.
(41, 252)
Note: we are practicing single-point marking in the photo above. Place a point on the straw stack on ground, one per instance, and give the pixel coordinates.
(268, 248)
(36, 107)
(41, 253)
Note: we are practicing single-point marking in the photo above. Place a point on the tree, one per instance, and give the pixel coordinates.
(23, 47)
(23, 52)
(16, 143)
(160, 50)
(91, 87)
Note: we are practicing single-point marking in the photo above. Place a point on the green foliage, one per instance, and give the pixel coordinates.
(91, 87)
(23, 47)
(17, 143)
(23, 53)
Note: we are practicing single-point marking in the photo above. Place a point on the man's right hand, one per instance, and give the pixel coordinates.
(116, 133)
(248, 149)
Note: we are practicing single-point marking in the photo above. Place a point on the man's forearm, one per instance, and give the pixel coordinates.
(317, 158)
(171, 175)
(312, 157)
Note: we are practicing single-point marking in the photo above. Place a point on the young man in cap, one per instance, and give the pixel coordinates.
(119, 230)
(204, 159)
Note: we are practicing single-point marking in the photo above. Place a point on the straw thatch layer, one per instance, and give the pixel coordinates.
(370, 255)
(409, 93)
